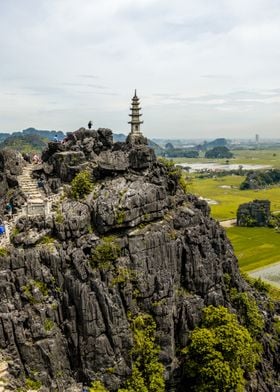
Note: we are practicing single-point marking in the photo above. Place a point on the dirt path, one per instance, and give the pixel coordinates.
(228, 223)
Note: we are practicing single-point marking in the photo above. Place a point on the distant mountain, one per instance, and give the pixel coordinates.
(25, 143)
(119, 137)
(4, 136)
(220, 142)
(32, 139)
(43, 133)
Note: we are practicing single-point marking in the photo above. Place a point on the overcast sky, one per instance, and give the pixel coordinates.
(202, 68)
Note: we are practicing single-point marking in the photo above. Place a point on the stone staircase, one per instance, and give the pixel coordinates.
(4, 375)
(37, 202)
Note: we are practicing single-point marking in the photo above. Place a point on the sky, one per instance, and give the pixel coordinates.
(202, 68)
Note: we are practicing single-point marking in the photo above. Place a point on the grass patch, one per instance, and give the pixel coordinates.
(229, 199)
(32, 384)
(105, 253)
(48, 324)
(47, 240)
(250, 157)
(3, 251)
(255, 247)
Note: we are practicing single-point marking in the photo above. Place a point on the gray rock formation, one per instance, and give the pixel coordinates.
(11, 164)
(255, 213)
(66, 295)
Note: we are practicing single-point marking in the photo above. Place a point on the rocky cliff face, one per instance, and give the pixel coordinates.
(136, 243)
(11, 165)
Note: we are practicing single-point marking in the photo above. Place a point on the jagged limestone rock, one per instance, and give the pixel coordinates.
(136, 244)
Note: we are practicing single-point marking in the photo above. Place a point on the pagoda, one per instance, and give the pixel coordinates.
(135, 135)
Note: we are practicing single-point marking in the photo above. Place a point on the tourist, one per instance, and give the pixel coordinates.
(89, 125)
(9, 209)
(55, 139)
(2, 228)
(40, 182)
(35, 159)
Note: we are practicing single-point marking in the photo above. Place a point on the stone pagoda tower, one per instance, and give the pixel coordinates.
(135, 136)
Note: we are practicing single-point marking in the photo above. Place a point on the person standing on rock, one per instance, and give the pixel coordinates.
(89, 125)
(9, 209)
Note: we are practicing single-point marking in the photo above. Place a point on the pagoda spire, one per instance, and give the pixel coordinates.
(135, 135)
(135, 116)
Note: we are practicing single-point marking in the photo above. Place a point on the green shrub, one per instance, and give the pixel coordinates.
(81, 185)
(122, 275)
(47, 240)
(28, 290)
(105, 253)
(120, 215)
(256, 283)
(14, 232)
(3, 251)
(48, 324)
(59, 218)
(32, 384)
(42, 287)
(219, 353)
(147, 372)
(97, 386)
(248, 312)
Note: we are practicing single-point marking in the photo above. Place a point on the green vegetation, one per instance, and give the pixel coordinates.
(105, 253)
(25, 143)
(261, 179)
(147, 372)
(255, 247)
(225, 191)
(42, 287)
(47, 240)
(180, 152)
(3, 251)
(120, 215)
(48, 324)
(248, 312)
(242, 157)
(32, 384)
(14, 232)
(35, 284)
(97, 386)
(123, 275)
(59, 218)
(263, 287)
(81, 185)
(219, 353)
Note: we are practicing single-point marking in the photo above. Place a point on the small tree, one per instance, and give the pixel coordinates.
(147, 372)
(97, 386)
(81, 185)
(219, 353)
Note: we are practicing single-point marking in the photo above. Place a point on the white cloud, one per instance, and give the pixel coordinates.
(66, 61)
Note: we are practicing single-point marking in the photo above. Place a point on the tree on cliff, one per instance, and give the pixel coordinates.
(219, 353)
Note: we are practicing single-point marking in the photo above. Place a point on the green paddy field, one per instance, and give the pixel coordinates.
(255, 248)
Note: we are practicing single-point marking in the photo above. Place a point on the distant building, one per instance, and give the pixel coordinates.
(135, 135)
